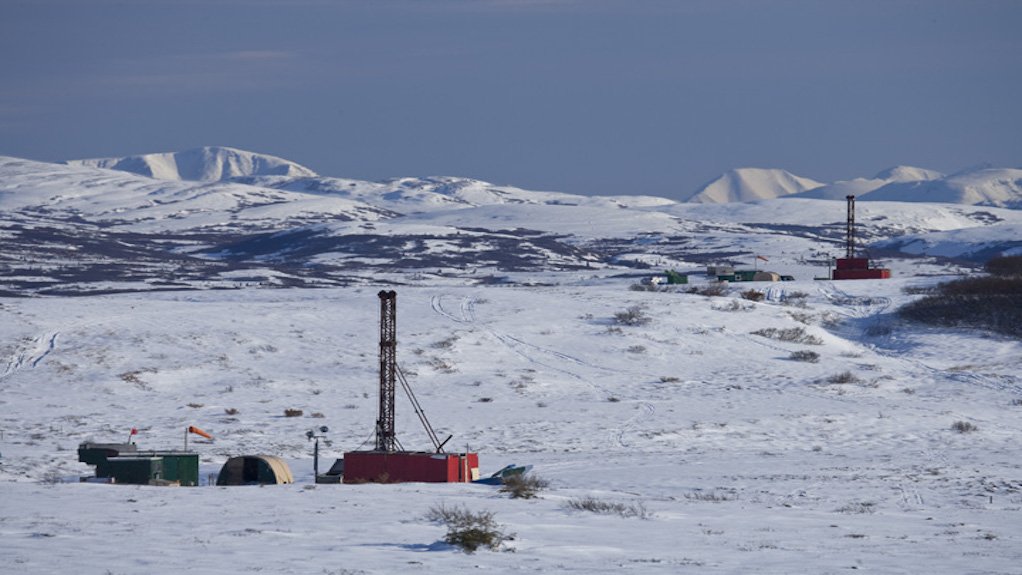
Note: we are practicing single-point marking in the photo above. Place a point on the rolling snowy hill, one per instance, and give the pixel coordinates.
(83, 229)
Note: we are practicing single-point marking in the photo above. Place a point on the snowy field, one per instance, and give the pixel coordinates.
(744, 460)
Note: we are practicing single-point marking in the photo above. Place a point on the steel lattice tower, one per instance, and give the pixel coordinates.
(850, 228)
(386, 439)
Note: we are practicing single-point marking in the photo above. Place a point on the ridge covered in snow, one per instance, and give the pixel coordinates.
(984, 187)
(861, 186)
(207, 164)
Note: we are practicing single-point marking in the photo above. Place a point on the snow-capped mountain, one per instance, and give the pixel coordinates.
(861, 186)
(981, 187)
(750, 185)
(208, 164)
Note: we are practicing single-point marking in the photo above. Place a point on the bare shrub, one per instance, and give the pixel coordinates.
(51, 477)
(752, 295)
(710, 290)
(634, 315)
(735, 305)
(712, 496)
(791, 334)
(442, 365)
(843, 377)
(963, 427)
(446, 343)
(636, 349)
(1005, 266)
(804, 355)
(468, 530)
(594, 505)
(231, 411)
(988, 302)
(522, 486)
(669, 379)
(801, 317)
(289, 412)
(794, 295)
(858, 508)
(195, 405)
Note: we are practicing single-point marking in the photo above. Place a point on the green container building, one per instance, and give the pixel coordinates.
(125, 464)
(136, 470)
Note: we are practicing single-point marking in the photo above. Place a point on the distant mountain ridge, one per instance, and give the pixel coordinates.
(978, 186)
(861, 186)
(997, 187)
(981, 185)
(207, 164)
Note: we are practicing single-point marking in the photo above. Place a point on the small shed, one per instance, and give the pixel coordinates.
(255, 470)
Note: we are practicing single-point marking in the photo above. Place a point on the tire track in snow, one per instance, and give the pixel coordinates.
(525, 350)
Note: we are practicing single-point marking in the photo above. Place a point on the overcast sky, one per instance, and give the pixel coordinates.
(583, 96)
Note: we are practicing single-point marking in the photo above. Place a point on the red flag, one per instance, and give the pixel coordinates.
(134, 431)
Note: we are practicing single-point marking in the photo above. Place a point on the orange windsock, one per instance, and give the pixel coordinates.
(197, 431)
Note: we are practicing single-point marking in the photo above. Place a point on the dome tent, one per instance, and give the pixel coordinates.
(254, 470)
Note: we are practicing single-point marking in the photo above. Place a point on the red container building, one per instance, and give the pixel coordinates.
(858, 269)
(402, 466)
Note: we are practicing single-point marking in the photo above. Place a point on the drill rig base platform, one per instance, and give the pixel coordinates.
(386, 463)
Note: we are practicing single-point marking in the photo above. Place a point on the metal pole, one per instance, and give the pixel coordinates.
(315, 462)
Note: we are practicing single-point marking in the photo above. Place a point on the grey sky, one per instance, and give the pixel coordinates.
(583, 96)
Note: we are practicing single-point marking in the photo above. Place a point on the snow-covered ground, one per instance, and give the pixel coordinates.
(745, 460)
